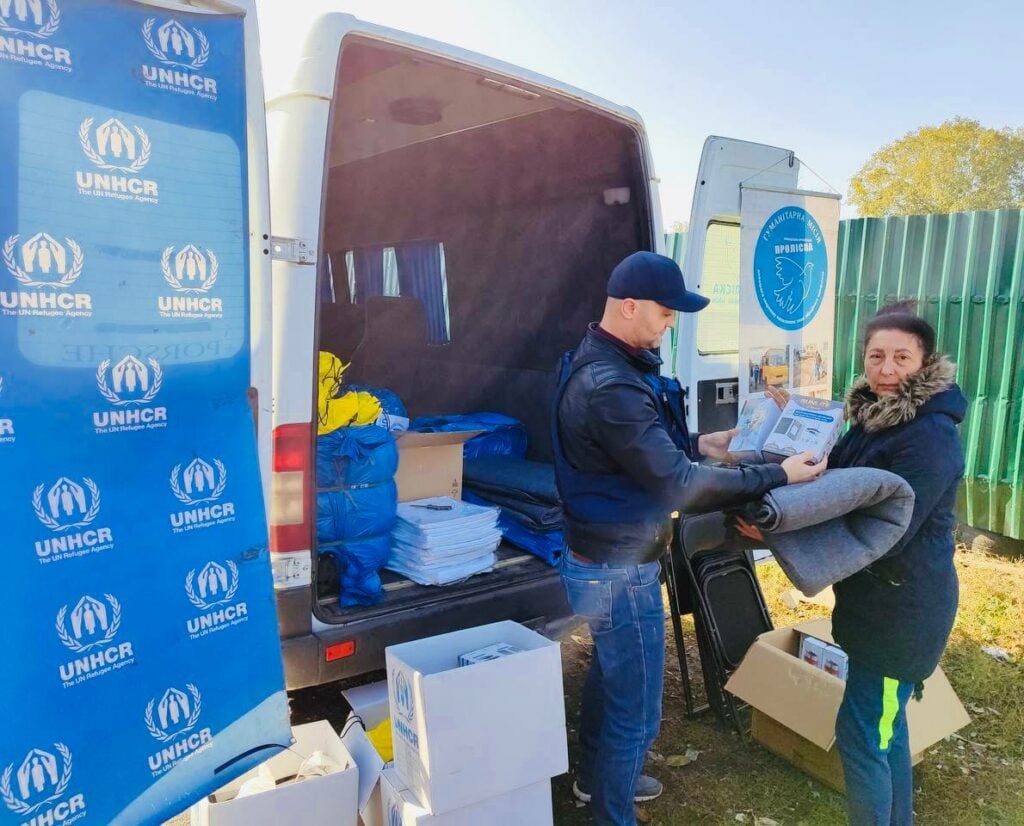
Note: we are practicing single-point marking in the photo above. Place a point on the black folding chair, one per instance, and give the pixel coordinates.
(727, 603)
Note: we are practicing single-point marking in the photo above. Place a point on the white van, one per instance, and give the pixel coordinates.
(527, 191)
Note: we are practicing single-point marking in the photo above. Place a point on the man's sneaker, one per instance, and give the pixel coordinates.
(647, 789)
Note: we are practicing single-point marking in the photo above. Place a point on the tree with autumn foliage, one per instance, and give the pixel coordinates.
(958, 166)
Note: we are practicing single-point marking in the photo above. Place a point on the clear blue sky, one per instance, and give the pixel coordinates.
(833, 81)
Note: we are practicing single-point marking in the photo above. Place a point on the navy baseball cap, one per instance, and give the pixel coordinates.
(652, 277)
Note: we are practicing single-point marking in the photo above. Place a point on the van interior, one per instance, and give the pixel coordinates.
(470, 226)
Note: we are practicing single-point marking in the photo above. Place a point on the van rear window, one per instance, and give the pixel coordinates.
(413, 270)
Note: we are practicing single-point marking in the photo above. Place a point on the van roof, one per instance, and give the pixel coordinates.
(315, 73)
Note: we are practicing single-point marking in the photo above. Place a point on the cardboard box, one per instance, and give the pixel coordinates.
(370, 764)
(430, 464)
(795, 704)
(529, 806)
(805, 424)
(463, 735)
(756, 420)
(333, 798)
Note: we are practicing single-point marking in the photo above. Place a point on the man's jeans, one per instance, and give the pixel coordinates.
(874, 744)
(621, 706)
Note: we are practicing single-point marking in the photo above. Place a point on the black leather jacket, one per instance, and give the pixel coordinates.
(608, 422)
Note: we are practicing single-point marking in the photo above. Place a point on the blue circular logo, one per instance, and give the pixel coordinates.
(790, 268)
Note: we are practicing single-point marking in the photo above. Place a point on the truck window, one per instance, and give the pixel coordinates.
(415, 269)
(718, 325)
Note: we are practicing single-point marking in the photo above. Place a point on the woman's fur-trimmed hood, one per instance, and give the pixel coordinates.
(876, 413)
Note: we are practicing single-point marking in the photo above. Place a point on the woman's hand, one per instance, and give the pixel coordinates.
(779, 395)
(748, 530)
(801, 468)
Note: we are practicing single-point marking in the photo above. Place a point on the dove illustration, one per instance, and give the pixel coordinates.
(795, 281)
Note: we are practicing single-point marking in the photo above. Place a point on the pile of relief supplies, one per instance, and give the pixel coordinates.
(361, 526)
(356, 500)
(496, 473)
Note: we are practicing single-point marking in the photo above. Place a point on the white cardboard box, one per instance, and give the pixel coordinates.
(755, 422)
(529, 806)
(332, 799)
(806, 424)
(465, 734)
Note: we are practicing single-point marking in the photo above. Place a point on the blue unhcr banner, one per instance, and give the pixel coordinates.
(144, 664)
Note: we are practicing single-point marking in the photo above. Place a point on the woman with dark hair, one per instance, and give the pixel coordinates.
(894, 618)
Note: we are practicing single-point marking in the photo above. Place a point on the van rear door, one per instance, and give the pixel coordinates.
(136, 596)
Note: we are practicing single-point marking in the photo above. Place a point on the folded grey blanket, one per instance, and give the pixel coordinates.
(823, 531)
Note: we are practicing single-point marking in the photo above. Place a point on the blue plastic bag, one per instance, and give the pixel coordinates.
(359, 564)
(503, 436)
(352, 456)
(355, 513)
(388, 399)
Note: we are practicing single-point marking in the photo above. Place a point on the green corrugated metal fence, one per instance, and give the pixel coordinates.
(965, 271)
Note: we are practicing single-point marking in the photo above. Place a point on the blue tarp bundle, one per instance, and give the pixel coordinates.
(356, 505)
(355, 513)
(531, 513)
(352, 456)
(548, 545)
(359, 564)
(502, 436)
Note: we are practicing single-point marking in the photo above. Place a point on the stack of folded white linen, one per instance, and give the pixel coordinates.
(441, 540)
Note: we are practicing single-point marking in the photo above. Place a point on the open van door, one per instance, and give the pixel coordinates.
(707, 356)
(143, 664)
(764, 251)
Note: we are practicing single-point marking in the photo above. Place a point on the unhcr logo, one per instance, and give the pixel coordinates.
(68, 508)
(403, 723)
(212, 591)
(90, 630)
(114, 147)
(184, 51)
(176, 44)
(40, 780)
(129, 385)
(30, 17)
(191, 272)
(200, 484)
(44, 268)
(25, 26)
(172, 719)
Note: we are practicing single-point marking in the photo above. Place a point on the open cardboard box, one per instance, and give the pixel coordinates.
(795, 704)
(466, 734)
(430, 464)
(332, 798)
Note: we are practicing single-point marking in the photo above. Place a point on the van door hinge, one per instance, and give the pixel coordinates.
(294, 250)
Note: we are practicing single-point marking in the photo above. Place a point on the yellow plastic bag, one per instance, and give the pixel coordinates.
(380, 737)
(352, 408)
(329, 375)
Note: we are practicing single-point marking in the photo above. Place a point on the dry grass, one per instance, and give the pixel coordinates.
(974, 778)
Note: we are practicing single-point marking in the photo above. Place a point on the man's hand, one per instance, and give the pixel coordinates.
(716, 445)
(801, 468)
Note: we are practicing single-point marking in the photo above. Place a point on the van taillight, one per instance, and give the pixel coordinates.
(291, 488)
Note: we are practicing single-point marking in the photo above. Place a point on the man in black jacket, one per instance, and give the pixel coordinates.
(625, 462)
